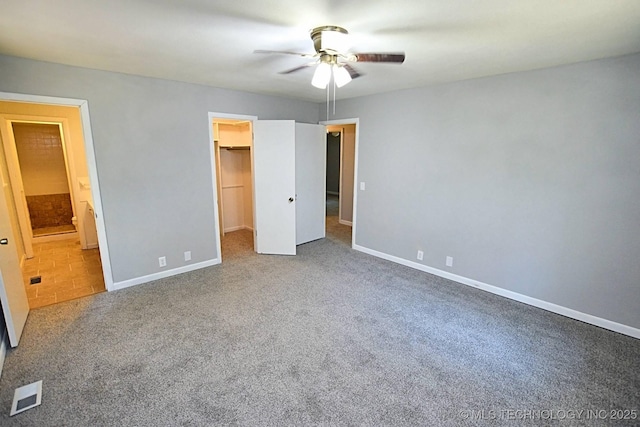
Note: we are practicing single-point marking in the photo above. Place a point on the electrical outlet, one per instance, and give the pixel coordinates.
(362, 186)
(187, 255)
(420, 255)
(162, 261)
(449, 261)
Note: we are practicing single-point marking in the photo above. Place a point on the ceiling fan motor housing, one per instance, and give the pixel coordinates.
(325, 44)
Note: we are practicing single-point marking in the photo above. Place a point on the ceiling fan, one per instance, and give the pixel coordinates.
(333, 59)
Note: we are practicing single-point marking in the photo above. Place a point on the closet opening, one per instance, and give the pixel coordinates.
(233, 139)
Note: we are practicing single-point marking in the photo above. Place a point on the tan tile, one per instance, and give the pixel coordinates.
(32, 292)
(31, 271)
(62, 276)
(47, 277)
(53, 288)
(59, 257)
(29, 263)
(81, 274)
(94, 269)
(41, 302)
(47, 272)
(77, 265)
(84, 281)
(81, 282)
(75, 258)
(74, 293)
(46, 263)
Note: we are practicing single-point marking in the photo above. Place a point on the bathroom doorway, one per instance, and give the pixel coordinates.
(44, 158)
(43, 164)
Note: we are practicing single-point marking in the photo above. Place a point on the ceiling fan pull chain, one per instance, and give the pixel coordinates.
(327, 102)
(334, 96)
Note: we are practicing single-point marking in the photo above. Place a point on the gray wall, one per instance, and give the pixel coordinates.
(531, 181)
(151, 141)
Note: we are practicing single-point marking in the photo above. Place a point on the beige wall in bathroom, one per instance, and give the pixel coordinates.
(72, 114)
(42, 163)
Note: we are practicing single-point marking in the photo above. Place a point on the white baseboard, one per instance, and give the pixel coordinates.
(236, 228)
(163, 274)
(554, 308)
(3, 350)
(343, 222)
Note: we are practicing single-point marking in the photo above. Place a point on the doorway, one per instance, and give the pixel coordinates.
(44, 169)
(233, 140)
(340, 175)
(48, 171)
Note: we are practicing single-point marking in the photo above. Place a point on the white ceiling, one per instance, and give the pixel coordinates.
(211, 42)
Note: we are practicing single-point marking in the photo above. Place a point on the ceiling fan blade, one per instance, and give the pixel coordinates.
(397, 57)
(352, 71)
(301, 67)
(282, 52)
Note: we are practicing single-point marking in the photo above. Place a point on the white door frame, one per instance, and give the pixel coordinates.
(356, 122)
(83, 105)
(215, 170)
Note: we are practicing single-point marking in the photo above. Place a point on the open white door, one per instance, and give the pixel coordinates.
(274, 187)
(15, 304)
(311, 161)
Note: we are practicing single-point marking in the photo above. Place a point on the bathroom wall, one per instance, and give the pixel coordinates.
(44, 174)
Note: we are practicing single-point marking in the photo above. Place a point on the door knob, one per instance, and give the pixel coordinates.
(4, 241)
(290, 199)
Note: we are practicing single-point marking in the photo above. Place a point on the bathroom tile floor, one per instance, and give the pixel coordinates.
(67, 272)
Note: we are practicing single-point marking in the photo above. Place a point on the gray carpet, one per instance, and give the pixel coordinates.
(330, 337)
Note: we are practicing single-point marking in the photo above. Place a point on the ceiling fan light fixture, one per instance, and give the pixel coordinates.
(341, 75)
(322, 75)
